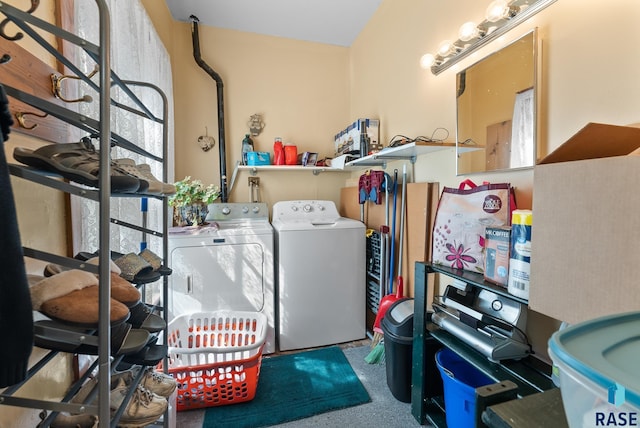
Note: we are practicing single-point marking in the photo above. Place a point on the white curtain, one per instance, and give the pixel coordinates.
(522, 145)
(137, 54)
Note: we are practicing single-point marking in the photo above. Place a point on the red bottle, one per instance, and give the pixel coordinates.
(278, 152)
(290, 154)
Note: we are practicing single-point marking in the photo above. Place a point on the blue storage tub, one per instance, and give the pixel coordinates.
(460, 380)
(598, 370)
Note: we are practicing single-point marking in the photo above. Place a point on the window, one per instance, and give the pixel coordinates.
(137, 54)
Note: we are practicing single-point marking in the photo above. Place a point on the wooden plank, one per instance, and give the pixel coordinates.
(422, 199)
(31, 75)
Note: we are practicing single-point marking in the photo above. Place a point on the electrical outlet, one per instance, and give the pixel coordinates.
(254, 181)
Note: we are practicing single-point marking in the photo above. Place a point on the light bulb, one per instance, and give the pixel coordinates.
(427, 60)
(445, 48)
(468, 31)
(497, 10)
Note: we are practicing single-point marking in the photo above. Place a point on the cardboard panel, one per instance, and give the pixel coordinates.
(586, 231)
(594, 141)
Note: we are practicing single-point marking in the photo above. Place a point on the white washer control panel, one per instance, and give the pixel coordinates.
(305, 210)
(238, 210)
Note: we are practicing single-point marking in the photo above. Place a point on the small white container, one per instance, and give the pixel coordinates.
(599, 375)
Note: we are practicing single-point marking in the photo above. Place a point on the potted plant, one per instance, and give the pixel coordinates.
(191, 201)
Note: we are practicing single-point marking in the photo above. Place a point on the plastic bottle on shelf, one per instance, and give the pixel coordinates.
(278, 152)
(247, 146)
(291, 154)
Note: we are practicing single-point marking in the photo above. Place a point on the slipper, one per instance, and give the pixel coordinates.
(135, 269)
(150, 355)
(143, 317)
(155, 261)
(72, 297)
(121, 290)
(53, 269)
(65, 420)
(78, 162)
(52, 335)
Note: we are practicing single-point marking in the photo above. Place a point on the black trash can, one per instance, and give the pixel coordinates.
(397, 326)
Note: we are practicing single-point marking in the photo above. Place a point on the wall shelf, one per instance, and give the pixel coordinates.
(253, 170)
(408, 152)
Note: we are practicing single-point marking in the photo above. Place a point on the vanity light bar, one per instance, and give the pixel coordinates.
(500, 17)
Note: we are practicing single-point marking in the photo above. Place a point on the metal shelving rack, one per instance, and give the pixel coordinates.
(107, 78)
(529, 374)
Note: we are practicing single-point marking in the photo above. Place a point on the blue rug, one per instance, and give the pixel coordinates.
(294, 386)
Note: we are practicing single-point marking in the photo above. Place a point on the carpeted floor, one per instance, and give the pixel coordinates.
(382, 411)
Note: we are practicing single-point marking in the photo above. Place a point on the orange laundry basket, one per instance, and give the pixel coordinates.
(215, 357)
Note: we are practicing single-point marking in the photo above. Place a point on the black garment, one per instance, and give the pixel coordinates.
(16, 316)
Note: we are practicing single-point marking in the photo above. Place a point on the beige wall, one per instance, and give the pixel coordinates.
(301, 89)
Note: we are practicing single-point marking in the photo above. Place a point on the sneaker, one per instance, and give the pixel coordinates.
(156, 382)
(144, 407)
(143, 172)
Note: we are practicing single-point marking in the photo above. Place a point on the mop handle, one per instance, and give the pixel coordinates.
(393, 231)
(402, 215)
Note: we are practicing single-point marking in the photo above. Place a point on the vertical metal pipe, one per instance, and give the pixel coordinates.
(219, 86)
(104, 329)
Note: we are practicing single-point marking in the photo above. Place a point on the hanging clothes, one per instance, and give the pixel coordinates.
(16, 316)
(522, 130)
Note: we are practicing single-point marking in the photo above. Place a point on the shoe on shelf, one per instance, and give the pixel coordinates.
(143, 172)
(142, 316)
(64, 420)
(144, 407)
(159, 383)
(79, 162)
(72, 297)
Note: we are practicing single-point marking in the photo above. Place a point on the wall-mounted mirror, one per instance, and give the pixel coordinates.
(496, 109)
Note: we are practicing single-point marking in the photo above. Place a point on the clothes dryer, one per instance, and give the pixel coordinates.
(225, 265)
(320, 259)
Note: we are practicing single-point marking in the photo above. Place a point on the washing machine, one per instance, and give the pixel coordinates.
(225, 265)
(320, 275)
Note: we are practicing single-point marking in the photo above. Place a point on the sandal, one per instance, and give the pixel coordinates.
(155, 261)
(150, 355)
(72, 297)
(78, 162)
(133, 267)
(143, 317)
(53, 335)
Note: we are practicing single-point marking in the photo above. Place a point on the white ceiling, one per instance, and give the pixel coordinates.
(335, 22)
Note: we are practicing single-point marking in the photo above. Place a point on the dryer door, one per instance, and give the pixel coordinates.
(216, 277)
